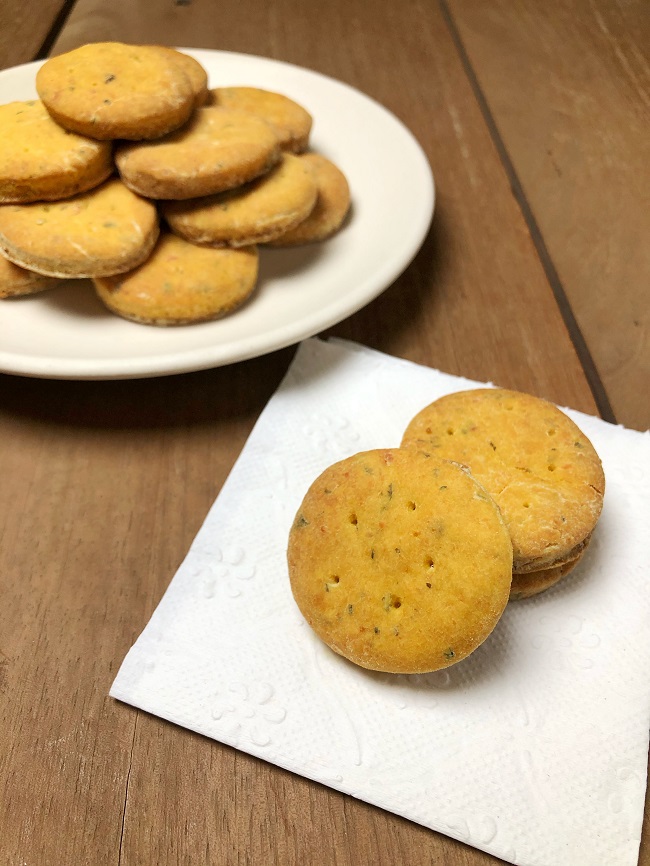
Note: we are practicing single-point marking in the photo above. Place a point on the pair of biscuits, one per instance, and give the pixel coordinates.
(237, 136)
(403, 560)
(302, 200)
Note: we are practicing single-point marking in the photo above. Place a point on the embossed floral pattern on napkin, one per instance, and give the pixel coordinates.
(533, 749)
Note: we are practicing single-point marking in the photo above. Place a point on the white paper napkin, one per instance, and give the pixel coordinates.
(533, 749)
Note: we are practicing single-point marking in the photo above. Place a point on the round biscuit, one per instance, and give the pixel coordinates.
(41, 161)
(331, 208)
(110, 90)
(542, 471)
(399, 561)
(181, 284)
(217, 150)
(254, 213)
(105, 231)
(289, 119)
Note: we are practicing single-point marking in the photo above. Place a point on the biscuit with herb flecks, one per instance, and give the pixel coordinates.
(218, 149)
(107, 230)
(399, 561)
(250, 214)
(110, 90)
(40, 161)
(540, 468)
(182, 283)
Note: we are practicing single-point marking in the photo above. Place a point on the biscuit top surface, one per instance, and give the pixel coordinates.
(112, 85)
(182, 283)
(214, 139)
(287, 187)
(30, 142)
(96, 225)
(538, 465)
(292, 122)
(399, 561)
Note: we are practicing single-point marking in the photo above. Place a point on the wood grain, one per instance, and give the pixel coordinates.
(22, 33)
(568, 85)
(105, 484)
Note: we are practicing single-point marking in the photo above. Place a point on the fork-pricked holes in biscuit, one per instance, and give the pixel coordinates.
(391, 602)
(333, 581)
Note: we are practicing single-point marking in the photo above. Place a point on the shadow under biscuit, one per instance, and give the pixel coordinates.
(75, 298)
(278, 264)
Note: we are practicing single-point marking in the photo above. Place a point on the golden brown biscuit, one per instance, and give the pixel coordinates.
(109, 90)
(181, 284)
(105, 231)
(40, 161)
(332, 205)
(399, 561)
(16, 281)
(256, 212)
(217, 150)
(192, 68)
(291, 121)
(540, 468)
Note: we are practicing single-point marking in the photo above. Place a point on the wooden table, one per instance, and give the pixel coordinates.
(534, 275)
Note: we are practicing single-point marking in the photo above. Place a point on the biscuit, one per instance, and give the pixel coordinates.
(181, 284)
(399, 561)
(192, 68)
(109, 90)
(291, 122)
(332, 205)
(217, 150)
(16, 281)
(254, 213)
(540, 468)
(105, 231)
(40, 161)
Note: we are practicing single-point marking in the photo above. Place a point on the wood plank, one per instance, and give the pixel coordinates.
(568, 84)
(105, 484)
(24, 27)
(97, 506)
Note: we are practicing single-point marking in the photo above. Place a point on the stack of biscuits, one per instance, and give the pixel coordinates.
(403, 560)
(129, 170)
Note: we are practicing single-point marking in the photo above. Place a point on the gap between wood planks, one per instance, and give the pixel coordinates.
(126, 790)
(55, 29)
(582, 350)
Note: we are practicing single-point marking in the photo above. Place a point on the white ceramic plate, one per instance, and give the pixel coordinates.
(66, 333)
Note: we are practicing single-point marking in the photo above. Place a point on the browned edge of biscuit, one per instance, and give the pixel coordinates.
(48, 268)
